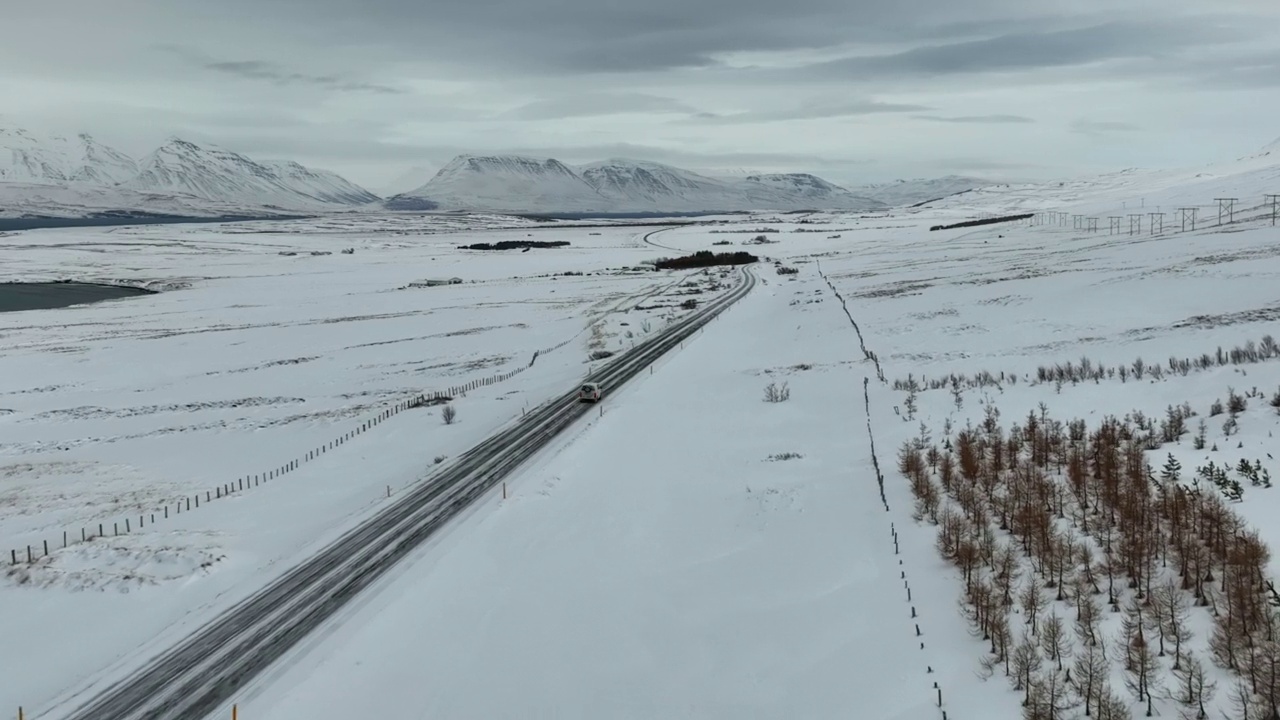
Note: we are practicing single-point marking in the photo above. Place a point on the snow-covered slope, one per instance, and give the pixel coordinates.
(503, 183)
(30, 157)
(808, 190)
(524, 184)
(55, 176)
(911, 192)
(1136, 190)
(210, 173)
(320, 184)
(1269, 152)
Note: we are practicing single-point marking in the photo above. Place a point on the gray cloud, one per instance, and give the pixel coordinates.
(595, 105)
(1029, 51)
(1101, 127)
(373, 87)
(261, 70)
(977, 119)
(811, 111)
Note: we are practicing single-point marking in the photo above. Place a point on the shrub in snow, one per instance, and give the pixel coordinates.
(775, 393)
(449, 414)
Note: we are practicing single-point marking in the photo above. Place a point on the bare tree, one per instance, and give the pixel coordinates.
(1055, 640)
(1089, 675)
(1142, 669)
(1087, 613)
(1171, 608)
(1114, 708)
(1025, 663)
(1032, 602)
(1194, 689)
(1049, 698)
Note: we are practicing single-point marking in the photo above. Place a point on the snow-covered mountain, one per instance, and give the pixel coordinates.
(55, 176)
(1249, 179)
(808, 191)
(210, 173)
(322, 185)
(912, 192)
(507, 183)
(27, 157)
(411, 178)
(1270, 151)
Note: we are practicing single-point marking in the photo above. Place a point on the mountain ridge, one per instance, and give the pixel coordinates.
(58, 176)
(525, 184)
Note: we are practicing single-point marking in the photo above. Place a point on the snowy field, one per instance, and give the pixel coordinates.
(693, 551)
(650, 567)
(257, 352)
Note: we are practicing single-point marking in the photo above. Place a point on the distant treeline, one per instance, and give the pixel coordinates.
(706, 258)
(987, 221)
(513, 244)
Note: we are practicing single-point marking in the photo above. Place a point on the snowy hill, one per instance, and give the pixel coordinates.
(322, 185)
(502, 183)
(1269, 151)
(183, 168)
(1136, 190)
(55, 176)
(28, 157)
(524, 184)
(809, 191)
(912, 192)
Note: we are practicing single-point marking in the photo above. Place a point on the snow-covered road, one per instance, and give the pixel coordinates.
(660, 563)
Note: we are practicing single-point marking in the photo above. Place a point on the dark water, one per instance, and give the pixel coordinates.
(15, 297)
(15, 224)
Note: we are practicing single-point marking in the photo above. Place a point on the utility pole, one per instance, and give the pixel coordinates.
(1115, 223)
(1189, 212)
(1093, 225)
(1153, 217)
(1275, 201)
(1227, 205)
(1135, 223)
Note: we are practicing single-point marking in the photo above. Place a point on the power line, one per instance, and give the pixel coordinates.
(1115, 223)
(1189, 212)
(1093, 225)
(1227, 205)
(1135, 223)
(1153, 218)
(1275, 201)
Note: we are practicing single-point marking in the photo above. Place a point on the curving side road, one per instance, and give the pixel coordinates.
(659, 245)
(208, 667)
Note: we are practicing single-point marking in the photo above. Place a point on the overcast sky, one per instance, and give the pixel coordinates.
(384, 91)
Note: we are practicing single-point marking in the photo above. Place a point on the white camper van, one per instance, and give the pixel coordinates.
(589, 392)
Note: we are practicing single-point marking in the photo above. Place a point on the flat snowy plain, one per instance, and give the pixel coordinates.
(249, 359)
(668, 558)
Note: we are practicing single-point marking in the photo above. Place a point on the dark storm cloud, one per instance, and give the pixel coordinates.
(976, 119)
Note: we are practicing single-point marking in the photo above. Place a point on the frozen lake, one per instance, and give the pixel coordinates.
(47, 295)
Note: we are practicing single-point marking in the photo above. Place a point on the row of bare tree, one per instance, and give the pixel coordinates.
(1083, 515)
(1087, 369)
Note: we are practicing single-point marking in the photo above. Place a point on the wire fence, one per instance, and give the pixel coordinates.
(33, 553)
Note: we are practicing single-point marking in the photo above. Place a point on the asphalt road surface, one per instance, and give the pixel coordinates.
(207, 668)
